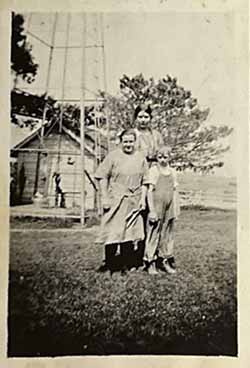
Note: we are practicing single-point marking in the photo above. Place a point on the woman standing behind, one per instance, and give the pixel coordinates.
(123, 198)
(148, 139)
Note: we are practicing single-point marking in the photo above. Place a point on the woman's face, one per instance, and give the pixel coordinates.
(143, 119)
(128, 143)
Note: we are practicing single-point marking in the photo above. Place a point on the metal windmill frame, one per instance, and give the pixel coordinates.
(82, 98)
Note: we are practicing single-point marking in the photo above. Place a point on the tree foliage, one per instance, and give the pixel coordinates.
(22, 60)
(30, 105)
(194, 143)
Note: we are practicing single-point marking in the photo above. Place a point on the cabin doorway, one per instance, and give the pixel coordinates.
(41, 174)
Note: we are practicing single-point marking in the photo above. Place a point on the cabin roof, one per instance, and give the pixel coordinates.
(21, 136)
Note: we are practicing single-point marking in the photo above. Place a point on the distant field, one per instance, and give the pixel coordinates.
(208, 190)
(211, 183)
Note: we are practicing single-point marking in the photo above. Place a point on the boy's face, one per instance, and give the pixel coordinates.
(163, 158)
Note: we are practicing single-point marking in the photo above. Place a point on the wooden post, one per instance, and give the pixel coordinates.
(95, 163)
(65, 62)
(45, 105)
(105, 79)
(82, 118)
(48, 76)
(37, 172)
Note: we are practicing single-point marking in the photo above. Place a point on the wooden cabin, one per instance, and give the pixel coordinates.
(38, 167)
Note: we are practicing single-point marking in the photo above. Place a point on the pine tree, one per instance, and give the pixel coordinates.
(194, 144)
(22, 60)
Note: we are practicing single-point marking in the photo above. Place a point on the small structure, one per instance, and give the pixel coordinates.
(52, 174)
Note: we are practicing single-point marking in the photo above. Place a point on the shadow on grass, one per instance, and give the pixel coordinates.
(61, 342)
(32, 332)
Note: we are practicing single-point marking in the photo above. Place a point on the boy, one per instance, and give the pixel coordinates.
(164, 209)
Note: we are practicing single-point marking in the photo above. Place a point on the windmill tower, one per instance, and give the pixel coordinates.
(72, 71)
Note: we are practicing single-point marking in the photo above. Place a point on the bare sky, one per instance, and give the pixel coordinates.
(197, 48)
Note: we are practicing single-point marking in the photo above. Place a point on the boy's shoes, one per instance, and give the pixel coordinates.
(171, 261)
(152, 269)
(168, 265)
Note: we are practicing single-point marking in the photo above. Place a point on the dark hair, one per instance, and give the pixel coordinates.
(163, 147)
(141, 108)
(127, 131)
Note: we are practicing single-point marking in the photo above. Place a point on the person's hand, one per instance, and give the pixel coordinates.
(142, 205)
(150, 153)
(152, 217)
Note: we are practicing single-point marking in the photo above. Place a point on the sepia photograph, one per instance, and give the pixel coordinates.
(122, 184)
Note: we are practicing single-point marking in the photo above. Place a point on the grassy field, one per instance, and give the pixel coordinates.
(60, 305)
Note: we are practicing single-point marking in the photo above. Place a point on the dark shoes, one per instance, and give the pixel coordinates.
(167, 265)
(106, 267)
(103, 268)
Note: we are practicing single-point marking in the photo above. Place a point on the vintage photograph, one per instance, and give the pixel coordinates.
(122, 188)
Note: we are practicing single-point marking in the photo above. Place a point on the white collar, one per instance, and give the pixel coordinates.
(164, 170)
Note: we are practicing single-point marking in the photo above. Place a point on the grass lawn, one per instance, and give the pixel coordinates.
(60, 305)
